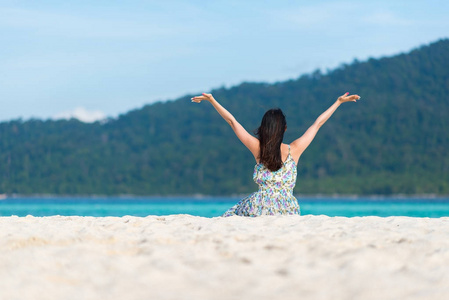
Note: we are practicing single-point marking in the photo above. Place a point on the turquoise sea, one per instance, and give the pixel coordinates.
(215, 206)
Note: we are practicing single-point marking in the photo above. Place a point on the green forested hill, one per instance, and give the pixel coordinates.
(394, 140)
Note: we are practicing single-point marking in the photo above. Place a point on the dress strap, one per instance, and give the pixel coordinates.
(288, 149)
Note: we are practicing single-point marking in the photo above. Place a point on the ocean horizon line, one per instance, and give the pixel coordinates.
(200, 196)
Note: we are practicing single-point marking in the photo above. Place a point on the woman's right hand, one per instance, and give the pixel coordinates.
(204, 96)
(348, 98)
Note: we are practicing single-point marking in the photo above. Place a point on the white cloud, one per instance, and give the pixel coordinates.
(151, 24)
(81, 114)
(313, 15)
(336, 16)
(386, 18)
(64, 24)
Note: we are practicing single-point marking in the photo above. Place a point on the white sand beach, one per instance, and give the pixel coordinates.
(187, 257)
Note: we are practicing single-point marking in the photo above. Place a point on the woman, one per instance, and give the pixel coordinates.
(275, 171)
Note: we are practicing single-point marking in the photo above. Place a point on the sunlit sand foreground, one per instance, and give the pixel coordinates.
(186, 257)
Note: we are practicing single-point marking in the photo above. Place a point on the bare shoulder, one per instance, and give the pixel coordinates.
(256, 150)
(285, 151)
(295, 151)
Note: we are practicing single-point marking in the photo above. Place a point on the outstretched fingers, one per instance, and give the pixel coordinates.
(197, 99)
(347, 98)
(354, 98)
(204, 96)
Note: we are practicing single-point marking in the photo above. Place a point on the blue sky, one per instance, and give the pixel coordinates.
(102, 58)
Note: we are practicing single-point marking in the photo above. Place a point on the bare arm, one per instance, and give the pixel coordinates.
(247, 139)
(300, 145)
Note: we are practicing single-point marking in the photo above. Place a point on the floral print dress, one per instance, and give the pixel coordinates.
(275, 194)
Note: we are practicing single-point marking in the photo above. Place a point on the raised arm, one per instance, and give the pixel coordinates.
(299, 145)
(247, 139)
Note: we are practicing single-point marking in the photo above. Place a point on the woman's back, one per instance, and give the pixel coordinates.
(275, 194)
(284, 178)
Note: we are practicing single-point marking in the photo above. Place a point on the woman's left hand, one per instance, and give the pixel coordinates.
(204, 96)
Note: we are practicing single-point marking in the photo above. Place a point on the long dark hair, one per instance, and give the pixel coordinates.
(270, 134)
